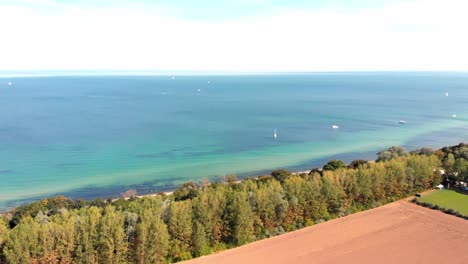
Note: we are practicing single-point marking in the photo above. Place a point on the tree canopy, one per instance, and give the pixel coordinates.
(200, 219)
(334, 165)
(391, 153)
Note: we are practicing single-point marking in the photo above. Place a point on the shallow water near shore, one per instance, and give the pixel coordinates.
(97, 136)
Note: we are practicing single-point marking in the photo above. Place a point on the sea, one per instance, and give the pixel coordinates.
(97, 136)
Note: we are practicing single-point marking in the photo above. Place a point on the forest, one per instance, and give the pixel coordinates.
(199, 219)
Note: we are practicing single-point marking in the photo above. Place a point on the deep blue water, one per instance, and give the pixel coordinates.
(97, 136)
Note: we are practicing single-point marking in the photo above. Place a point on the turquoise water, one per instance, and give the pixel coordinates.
(98, 136)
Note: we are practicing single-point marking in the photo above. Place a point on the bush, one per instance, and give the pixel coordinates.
(219, 247)
(315, 170)
(356, 163)
(280, 175)
(436, 207)
(334, 165)
(391, 153)
(185, 256)
(205, 250)
(309, 222)
(264, 178)
(49, 205)
(185, 191)
(451, 211)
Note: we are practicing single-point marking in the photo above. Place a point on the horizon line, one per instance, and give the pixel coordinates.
(65, 73)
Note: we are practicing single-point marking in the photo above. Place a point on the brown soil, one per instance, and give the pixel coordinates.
(399, 232)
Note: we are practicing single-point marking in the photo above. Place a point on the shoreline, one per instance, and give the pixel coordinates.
(167, 193)
(103, 192)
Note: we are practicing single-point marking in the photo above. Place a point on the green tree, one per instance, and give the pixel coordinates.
(423, 151)
(62, 229)
(152, 237)
(3, 231)
(200, 241)
(87, 235)
(209, 210)
(460, 167)
(180, 228)
(449, 161)
(3, 237)
(185, 191)
(231, 179)
(334, 197)
(391, 153)
(334, 165)
(241, 218)
(50, 205)
(356, 163)
(39, 241)
(295, 189)
(365, 195)
(271, 205)
(112, 243)
(280, 175)
(395, 179)
(424, 169)
(21, 244)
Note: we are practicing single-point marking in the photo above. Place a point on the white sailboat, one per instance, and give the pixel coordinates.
(275, 135)
(446, 93)
(335, 127)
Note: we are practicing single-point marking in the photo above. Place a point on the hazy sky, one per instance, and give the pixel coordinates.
(234, 35)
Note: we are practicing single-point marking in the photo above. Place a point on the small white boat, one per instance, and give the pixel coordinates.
(199, 90)
(209, 82)
(454, 116)
(402, 122)
(335, 126)
(9, 83)
(446, 93)
(275, 135)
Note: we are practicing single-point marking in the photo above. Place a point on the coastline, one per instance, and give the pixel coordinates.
(336, 199)
(149, 187)
(115, 192)
(110, 159)
(167, 193)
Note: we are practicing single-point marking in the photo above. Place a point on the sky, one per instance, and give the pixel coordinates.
(234, 35)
